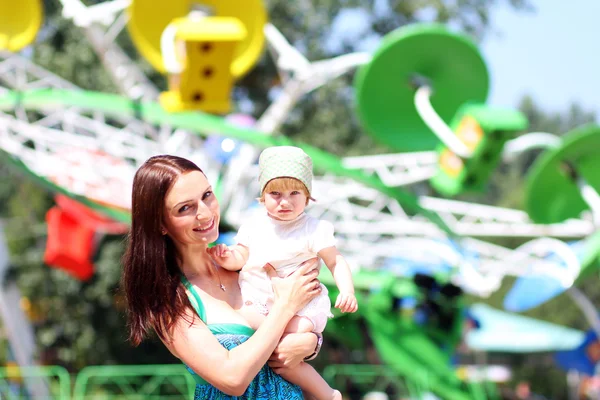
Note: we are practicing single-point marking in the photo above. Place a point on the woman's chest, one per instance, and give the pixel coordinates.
(221, 305)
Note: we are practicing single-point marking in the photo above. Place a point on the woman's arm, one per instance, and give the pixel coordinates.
(293, 348)
(231, 371)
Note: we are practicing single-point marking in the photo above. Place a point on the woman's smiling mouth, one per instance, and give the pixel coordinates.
(206, 227)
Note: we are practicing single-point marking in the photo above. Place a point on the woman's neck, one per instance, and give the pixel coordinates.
(195, 262)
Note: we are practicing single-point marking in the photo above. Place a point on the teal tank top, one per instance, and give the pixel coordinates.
(265, 386)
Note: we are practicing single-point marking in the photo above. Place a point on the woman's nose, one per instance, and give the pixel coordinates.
(203, 212)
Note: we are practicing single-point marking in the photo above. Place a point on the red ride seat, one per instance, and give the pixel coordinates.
(72, 236)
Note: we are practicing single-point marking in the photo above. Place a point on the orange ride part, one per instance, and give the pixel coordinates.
(72, 228)
(70, 244)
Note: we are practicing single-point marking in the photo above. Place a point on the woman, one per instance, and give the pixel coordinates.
(173, 287)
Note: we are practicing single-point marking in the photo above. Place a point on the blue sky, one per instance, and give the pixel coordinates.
(552, 54)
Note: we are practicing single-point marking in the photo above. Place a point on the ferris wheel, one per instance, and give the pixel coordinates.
(88, 145)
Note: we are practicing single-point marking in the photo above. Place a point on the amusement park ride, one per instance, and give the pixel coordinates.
(422, 93)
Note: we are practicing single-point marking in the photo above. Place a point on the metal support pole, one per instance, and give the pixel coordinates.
(585, 305)
(18, 329)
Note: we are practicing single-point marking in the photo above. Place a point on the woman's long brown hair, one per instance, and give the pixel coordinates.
(151, 279)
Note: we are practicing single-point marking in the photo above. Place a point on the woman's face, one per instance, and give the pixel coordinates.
(191, 214)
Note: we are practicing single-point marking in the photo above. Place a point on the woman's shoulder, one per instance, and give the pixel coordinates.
(194, 298)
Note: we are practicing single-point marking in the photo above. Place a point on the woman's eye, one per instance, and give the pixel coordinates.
(184, 208)
(207, 194)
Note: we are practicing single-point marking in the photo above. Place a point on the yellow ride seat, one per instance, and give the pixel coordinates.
(484, 130)
(149, 18)
(20, 22)
(205, 82)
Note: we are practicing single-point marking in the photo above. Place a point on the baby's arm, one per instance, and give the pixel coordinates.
(342, 275)
(231, 258)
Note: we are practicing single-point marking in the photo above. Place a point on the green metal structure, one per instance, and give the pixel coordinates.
(484, 130)
(553, 194)
(202, 124)
(122, 382)
(408, 57)
(134, 382)
(55, 378)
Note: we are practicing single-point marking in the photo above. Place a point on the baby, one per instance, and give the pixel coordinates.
(285, 236)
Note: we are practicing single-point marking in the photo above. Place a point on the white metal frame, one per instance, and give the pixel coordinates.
(101, 24)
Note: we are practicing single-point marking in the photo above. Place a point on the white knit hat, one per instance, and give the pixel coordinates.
(285, 162)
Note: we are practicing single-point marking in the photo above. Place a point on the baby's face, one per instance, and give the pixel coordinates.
(285, 205)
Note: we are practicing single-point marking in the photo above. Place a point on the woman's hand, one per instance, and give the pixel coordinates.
(292, 349)
(297, 289)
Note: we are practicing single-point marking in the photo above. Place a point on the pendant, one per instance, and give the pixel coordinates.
(222, 287)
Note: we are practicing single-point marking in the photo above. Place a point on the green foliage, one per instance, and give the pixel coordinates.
(24, 206)
(64, 51)
(77, 323)
(82, 323)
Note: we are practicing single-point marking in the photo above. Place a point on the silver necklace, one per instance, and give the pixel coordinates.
(219, 276)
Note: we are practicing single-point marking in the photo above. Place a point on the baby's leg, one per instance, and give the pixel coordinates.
(309, 380)
(304, 375)
(299, 325)
(254, 318)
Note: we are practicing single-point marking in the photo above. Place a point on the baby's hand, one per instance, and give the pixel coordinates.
(219, 252)
(346, 302)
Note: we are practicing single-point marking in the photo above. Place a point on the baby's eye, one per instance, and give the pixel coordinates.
(275, 193)
(295, 192)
